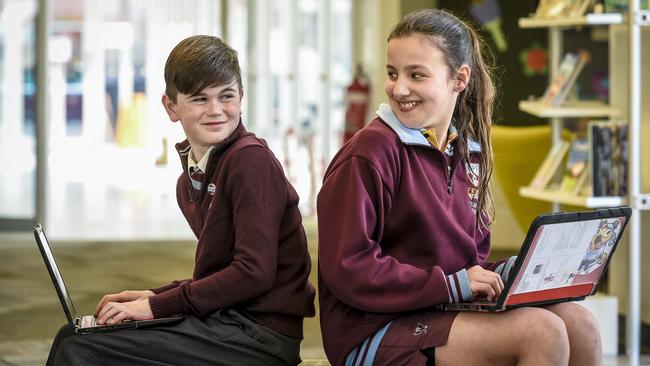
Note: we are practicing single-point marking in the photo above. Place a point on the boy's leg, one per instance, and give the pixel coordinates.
(525, 336)
(224, 338)
(584, 335)
(64, 333)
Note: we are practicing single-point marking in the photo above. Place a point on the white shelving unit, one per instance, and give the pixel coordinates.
(566, 198)
(634, 20)
(572, 22)
(569, 109)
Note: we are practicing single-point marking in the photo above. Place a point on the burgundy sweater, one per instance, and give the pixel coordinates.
(397, 231)
(252, 250)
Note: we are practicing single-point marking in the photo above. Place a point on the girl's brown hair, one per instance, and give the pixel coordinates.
(473, 112)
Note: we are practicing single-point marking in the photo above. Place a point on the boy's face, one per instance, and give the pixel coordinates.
(208, 117)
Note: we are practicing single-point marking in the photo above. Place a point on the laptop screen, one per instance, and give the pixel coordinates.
(567, 254)
(55, 274)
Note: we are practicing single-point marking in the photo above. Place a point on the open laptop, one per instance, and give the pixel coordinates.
(563, 258)
(83, 324)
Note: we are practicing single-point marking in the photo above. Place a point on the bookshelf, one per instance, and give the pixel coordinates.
(625, 103)
(572, 22)
(557, 195)
(569, 109)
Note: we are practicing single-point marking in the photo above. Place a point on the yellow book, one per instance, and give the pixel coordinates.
(550, 165)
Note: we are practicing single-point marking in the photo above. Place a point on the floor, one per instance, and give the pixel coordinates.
(29, 310)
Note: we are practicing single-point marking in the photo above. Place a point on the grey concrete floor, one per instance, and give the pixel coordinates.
(30, 313)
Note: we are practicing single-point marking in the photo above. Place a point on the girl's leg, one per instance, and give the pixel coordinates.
(584, 336)
(525, 336)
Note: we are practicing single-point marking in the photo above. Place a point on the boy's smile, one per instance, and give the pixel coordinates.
(208, 117)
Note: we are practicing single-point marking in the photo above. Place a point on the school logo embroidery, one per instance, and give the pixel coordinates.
(211, 189)
(420, 329)
(472, 189)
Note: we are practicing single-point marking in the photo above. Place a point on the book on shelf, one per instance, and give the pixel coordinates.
(562, 8)
(568, 71)
(608, 158)
(550, 165)
(576, 169)
(580, 7)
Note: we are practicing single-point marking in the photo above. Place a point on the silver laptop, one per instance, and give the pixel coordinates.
(83, 324)
(563, 258)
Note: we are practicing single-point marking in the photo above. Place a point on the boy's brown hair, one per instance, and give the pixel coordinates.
(200, 62)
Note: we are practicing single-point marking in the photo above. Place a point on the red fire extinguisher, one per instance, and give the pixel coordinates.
(357, 98)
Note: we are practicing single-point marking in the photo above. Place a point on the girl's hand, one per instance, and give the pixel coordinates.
(484, 283)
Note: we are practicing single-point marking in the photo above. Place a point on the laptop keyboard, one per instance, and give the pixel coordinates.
(88, 321)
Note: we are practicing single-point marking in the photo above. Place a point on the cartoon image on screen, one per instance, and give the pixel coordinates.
(600, 246)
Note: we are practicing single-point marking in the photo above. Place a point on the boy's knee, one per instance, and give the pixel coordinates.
(66, 353)
(74, 350)
(64, 332)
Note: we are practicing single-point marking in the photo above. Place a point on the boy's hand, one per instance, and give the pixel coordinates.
(123, 296)
(115, 312)
(484, 282)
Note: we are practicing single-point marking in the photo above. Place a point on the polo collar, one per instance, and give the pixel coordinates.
(413, 136)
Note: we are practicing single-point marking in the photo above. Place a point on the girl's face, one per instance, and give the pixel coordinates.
(419, 87)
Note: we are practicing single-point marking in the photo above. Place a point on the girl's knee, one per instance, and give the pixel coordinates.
(578, 317)
(548, 324)
(546, 331)
(542, 338)
(579, 321)
(583, 329)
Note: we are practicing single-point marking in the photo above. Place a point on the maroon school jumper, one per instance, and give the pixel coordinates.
(252, 250)
(394, 228)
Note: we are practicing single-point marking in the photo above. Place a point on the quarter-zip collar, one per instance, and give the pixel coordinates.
(413, 136)
(184, 148)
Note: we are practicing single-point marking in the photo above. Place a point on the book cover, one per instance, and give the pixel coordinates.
(576, 166)
(620, 154)
(583, 58)
(566, 67)
(580, 7)
(608, 158)
(568, 72)
(550, 165)
(601, 158)
(553, 8)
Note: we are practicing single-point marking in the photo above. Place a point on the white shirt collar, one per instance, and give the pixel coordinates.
(201, 164)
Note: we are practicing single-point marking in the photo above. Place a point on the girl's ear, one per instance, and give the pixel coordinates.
(462, 78)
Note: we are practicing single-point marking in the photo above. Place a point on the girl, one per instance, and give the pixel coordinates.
(403, 223)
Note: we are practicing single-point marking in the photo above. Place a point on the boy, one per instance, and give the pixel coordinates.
(249, 293)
